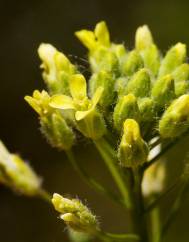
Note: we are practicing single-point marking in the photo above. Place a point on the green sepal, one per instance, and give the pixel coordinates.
(175, 120)
(174, 57)
(163, 91)
(131, 63)
(139, 84)
(125, 108)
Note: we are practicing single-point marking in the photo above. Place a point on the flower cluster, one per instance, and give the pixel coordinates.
(131, 98)
(141, 85)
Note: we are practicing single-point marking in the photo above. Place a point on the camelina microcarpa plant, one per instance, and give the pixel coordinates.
(134, 102)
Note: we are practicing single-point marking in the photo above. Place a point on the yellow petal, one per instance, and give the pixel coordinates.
(97, 96)
(61, 102)
(87, 38)
(102, 34)
(78, 87)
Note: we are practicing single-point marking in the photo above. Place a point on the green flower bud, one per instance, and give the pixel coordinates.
(132, 63)
(147, 49)
(174, 57)
(119, 50)
(133, 150)
(17, 174)
(53, 125)
(163, 91)
(175, 120)
(181, 78)
(143, 38)
(151, 59)
(103, 59)
(139, 84)
(57, 69)
(56, 131)
(107, 81)
(76, 215)
(126, 107)
(120, 85)
(146, 108)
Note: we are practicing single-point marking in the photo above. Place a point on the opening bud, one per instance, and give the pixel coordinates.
(133, 150)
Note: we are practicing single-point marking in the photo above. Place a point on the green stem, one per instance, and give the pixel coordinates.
(155, 225)
(110, 160)
(104, 236)
(89, 180)
(45, 195)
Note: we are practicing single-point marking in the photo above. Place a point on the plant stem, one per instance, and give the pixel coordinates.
(155, 225)
(138, 216)
(45, 195)
(89, 180)
(109, 158)
(105, 236)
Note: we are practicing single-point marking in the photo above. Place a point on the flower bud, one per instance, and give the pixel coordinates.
(143, 38)
(56, 131)
(132, 63)
(151, 59)
(181, 78)
(139, 84)
(174, 57)
(57, 69)
(126, 107)
(76, 215)
(107, 81)
(175, 120)
(133, 150)
(146, 108)
(163, 91)
(17, 174)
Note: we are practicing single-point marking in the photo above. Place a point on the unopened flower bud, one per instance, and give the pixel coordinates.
(132, 63)
(133, 150)
(143, 38)
(146, 108)
(181, 78)
(57, 69)
(139, 84)
(56, 131)
(107, 81)
(151, 58)
(175, 120)
(174, 57)
(126, 107)
(17, 174)
(163, 91)
(76, 215)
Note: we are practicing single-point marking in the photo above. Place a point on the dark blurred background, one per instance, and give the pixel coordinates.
(24, 25)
